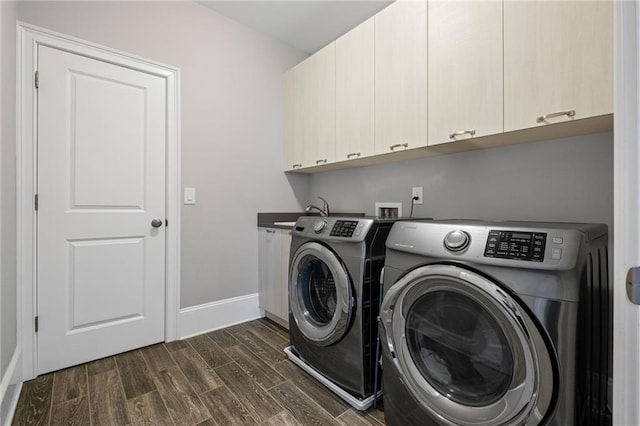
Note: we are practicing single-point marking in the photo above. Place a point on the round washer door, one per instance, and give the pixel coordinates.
(320, 295)
(465, 349)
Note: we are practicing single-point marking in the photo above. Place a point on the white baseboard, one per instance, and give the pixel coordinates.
(200, 319)
(10, 387)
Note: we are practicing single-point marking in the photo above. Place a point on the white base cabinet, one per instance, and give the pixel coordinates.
(273, 273)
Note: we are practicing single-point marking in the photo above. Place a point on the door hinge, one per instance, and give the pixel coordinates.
(35, 202)
(37, 79)
(36, 324)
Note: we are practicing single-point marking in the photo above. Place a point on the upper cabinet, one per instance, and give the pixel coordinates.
(465, 70)
(310, 102)
(434, 77)
(319, 107)
(354, 92)
(401, 77)
(558, 61)
(293, 118)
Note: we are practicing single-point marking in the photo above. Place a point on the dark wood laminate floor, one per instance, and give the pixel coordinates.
(235, 376)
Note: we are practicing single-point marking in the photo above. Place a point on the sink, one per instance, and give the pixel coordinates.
(284, 223)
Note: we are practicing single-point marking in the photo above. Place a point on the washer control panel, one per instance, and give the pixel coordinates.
(334, 228)
(516, 245)
(344, 228)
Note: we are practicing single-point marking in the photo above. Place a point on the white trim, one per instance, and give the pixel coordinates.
(216, 315)
(1, 143)
(626, 348)
(11, 411)
(29, 37)
(10, 398)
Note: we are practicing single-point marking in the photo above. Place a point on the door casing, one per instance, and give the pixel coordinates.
(29, 37)
(626, 218)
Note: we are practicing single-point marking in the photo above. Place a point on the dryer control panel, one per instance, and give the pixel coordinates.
(516, 245)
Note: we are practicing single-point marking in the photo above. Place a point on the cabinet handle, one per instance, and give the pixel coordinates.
(353, 154)
(296, 166)
(542, 118)
(271, 231)
(404, 145)
(471, 132)
(321, 161)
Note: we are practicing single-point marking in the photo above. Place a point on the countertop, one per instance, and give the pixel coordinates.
(268, 220)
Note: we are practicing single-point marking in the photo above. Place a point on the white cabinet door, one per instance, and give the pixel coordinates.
(465, 70)
(293, 118)
(401, 76)
(319, 107)
(269, 269)
(273, 271)
(354, 92)
(284, 283)
(309, 111)
(558, 58)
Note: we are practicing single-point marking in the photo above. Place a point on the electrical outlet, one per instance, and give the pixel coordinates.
(416, 191)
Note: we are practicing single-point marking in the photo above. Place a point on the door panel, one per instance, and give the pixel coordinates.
(95, 291)
(101, 181)
(108, 160)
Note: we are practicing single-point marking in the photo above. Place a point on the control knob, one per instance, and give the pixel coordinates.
(319, 226)
(456, 240)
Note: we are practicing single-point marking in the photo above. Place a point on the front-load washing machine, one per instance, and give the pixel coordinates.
(334, 296)
(496, 323)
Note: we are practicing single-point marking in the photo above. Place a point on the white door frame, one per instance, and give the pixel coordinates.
(29, 37)
(626, 349)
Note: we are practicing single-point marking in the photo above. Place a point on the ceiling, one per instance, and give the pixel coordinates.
(306, 25)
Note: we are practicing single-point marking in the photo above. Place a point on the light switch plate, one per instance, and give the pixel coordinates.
(189, 195)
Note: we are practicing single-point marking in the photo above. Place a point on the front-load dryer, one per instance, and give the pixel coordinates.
(496, 323)
(334, 296)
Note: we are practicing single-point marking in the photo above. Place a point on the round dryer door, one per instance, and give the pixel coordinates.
(465, 349)
(320, 295)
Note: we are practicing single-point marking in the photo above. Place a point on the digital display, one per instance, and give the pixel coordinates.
(516, 245)
(343, 228)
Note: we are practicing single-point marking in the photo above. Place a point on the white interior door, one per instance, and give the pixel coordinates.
(101, 182)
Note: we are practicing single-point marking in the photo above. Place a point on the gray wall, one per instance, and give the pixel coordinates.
(559, 180)
(8, 306)
(231, 125)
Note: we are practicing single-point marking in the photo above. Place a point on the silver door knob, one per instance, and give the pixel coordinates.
(156, 223)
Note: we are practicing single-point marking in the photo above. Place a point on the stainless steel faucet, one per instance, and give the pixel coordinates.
(324, 211)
